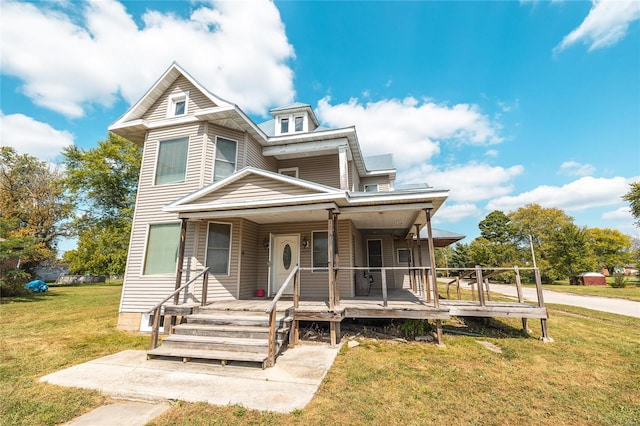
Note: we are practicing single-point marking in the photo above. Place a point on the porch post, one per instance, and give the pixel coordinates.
(434, 275)
(421, 272)
(410, 264)
(183, 235)
(336, 260)
(330, 252)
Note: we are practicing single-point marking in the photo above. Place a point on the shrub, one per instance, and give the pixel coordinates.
(12, 282)
(619, 280)
(411, 328)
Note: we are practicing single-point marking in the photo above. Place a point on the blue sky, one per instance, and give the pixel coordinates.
(503, 102)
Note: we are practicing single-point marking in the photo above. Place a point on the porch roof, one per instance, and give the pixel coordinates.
(267, 197)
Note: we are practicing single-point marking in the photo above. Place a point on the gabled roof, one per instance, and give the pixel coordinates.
(441, 238)
(293, 105)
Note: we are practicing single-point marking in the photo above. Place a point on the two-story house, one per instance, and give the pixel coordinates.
(252, 201)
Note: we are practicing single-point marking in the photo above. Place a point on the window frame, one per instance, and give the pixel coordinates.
(398, 255)
(157, 160)
(295, 123)
(173, 102)
(206, 247)
(283, 121)
(381, 254)
(143, 270)
(318, 268)
(215, 158)
(289, 169)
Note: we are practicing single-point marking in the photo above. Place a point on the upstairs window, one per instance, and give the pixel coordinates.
(290, 171)
(226, 158)
(284, 125)
(162, 249)
(178, 104)
(371, 188)
(172, 161)
(299, 123)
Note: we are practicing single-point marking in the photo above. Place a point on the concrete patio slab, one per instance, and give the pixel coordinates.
(121, 414)
(129, 375)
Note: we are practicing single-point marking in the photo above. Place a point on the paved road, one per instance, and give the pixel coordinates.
(605, 304)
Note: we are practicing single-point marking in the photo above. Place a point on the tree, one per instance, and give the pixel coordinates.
(543, 225)
(34, 212)
(496, 245)
(608, 248)
(104, 182)
(568, 254)
(633, 197)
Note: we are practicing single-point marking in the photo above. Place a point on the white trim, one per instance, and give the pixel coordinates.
(290, 169)
(173, 101)
(311, 200)
(255, 212)
(144, 253)
(186, 160)
(381, 253)
(215, 158)
(206, 247)
(305, 147)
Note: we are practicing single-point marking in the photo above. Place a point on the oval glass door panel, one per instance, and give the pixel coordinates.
(286, 256)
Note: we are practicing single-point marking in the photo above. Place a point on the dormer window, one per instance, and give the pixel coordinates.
(284, 125)
(178, 104)
(299, 122)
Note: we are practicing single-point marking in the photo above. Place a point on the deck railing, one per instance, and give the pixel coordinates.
(158, 308)
(271, 311)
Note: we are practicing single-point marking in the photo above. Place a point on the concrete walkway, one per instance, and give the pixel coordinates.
(604, 304)
(128, 375)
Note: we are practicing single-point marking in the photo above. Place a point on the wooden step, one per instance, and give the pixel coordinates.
(215, 343)
(228, 330)
(218, 318)
(223, 356)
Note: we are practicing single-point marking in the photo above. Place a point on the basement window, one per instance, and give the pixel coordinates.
(146, 323)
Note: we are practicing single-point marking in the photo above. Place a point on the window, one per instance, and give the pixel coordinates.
(374, 250)
(291, 171)
(298, 122)
(320, 249)
(146, 323)
(219, 248)
(172, 161)
(371, 188)
(162, 249)
(178, 104)
(404, 255)
(284, 125)
(226, 151)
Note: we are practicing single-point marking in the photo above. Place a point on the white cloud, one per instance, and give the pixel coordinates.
(28, 136)
(410, 129)
(622, 213)
(491, 153)
(456, 212)
(466, 182)
(580, 194)
(605, 25)
(576, 169)
(95, 52)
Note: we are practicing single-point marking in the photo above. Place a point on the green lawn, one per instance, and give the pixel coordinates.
(588, 376)
(631, 291)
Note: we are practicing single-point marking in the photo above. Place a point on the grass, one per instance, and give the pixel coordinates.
(630, 292)
(588, 376)
(46, 332)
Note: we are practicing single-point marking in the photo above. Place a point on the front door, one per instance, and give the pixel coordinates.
(284, 257)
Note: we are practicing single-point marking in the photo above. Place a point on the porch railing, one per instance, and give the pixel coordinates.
(158, 308)
(271, 311)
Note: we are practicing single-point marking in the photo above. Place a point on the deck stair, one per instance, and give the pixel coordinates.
(224, 334)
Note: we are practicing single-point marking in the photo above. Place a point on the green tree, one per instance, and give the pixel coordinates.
(633, 197)
(104, 181)
(568, 254)
(34, 212)
(461, 258)
(608, 248)
(542, 224)
(496, 245)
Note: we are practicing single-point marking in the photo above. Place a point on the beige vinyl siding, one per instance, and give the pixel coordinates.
(313, 285)
(249, 252)
(254, 157)
(383, 183)
(387, 261)
(323, 169)
(197, 100)
(253, 188)
(354, 177)
(142, 292)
